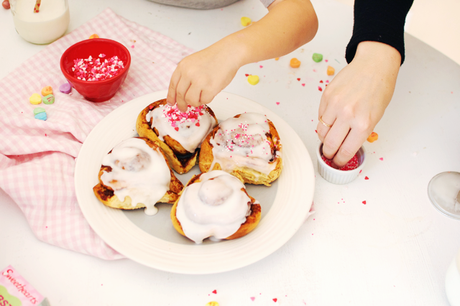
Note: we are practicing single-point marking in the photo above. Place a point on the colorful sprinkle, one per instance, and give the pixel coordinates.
(364, 202)
(39, 110)
(253, 79)
(41, 116)
(317, 57)
(373, 137)
(93, 36)
(330, 70)
(35, 99)
(350, 165)
(91, 69)
(245, 21)
(213, 303)
(294, 63)
(47, 90)
(48, 99)
(65, 88)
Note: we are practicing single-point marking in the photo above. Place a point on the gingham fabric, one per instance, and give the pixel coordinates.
(37, 158)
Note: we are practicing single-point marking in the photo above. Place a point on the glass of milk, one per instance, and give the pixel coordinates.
(453, 282)
(44, 27)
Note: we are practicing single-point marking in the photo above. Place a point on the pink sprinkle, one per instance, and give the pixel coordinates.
(132, 46)
(277, 103)
(303, 84)
(381, 158)
(97, 69)
(326, 61)
(320, 88)
(261, 66)
(252, 298)
(314, 70)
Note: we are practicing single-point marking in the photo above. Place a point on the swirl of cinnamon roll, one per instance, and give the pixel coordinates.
(135, 174)
(178, 134)
(247, 146)
(215, 205)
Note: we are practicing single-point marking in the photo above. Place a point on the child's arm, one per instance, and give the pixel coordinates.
(355, 100)
(201, 76)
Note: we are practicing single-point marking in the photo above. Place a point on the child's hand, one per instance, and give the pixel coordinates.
(354, 102)
(201, 76)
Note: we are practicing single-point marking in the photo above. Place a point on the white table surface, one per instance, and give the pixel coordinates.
(394, 250)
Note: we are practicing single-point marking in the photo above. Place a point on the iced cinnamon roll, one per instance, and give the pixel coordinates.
(215, 205)
(247, 146)
(135, 174)
(178, 134)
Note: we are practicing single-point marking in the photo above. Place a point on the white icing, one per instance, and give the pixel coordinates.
(189, 134)
(214, 207)
(242, 142)
(138, 171)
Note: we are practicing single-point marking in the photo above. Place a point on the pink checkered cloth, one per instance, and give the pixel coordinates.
(37, 158)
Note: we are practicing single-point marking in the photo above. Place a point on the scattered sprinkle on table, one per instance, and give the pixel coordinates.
(317, 57)
(330, 70)
(245, 21)
(253, 79)
(294, 63)
(373, 137)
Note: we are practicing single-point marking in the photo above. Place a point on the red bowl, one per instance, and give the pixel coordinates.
(96, 91)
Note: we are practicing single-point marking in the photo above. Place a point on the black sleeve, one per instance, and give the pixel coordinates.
(379, 20)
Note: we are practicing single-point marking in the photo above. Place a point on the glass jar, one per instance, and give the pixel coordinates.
(42, 27)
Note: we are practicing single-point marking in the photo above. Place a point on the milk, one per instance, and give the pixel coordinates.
(453, 282)
(44, 27)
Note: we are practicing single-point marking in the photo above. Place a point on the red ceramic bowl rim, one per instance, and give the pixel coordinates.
(88, 41)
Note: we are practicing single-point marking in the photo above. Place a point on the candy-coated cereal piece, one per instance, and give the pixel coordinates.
(41, 116)
(65, 88)
(317, 57)
(94, 36)
(373, 137)
(35, 99)
(48, 99)
(253, 79)
(213, 303)
(294, 63)
(245, 21)
(330, 70)
(39, 110)
(47, 90)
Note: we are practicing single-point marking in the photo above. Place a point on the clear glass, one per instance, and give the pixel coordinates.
(50, 23)
(444, 193)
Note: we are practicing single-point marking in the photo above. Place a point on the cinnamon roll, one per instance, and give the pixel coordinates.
(135, 174)
(247, 146)
(215, 205)
(178, 134)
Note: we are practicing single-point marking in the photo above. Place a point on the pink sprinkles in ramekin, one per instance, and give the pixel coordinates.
(175, 117)
(97, 70)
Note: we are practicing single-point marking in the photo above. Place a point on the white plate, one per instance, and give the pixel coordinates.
(291, 201)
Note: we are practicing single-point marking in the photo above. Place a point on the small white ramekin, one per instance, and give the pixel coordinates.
(336, 176)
